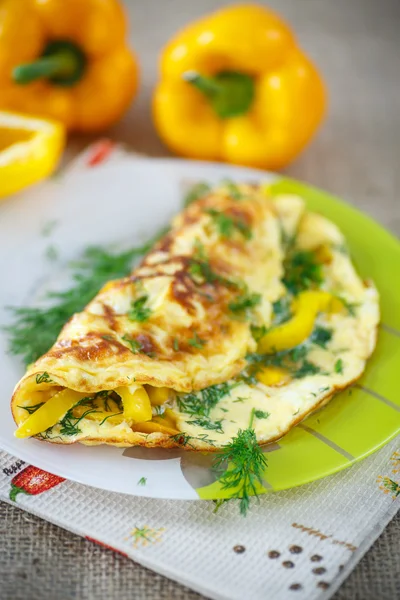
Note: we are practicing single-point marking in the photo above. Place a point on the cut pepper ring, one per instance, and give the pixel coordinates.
(30, 149)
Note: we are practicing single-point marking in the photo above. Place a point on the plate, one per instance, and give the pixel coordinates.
(126, 203)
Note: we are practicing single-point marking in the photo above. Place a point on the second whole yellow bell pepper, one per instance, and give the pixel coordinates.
(236, 87)
(66, 59)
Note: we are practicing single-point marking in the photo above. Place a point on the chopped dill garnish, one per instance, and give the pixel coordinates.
(243, 464)
(206, 423)
(294, 360)
(260, 414)
(196, 341)
(258, 331)
(108, 338)
(200, 403)
(175, 344)
(109, 416)
(142, 481)
(134, 345)
(233, 189)
(350, 306)
(197, 191)
(339, 366)
(31, 409)
(184, 439)
(302, 271)
(305, 369)
(227, 225)
(281, 310)
(69, 423)
(321, 336)
(201, 271)
(43, 378)
(244, 303)
(51, 253)
(48, 228)
(139, 312)
(35, 330)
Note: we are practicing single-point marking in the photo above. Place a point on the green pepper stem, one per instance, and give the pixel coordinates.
(230, 93)
(62, 62)
(208, 85)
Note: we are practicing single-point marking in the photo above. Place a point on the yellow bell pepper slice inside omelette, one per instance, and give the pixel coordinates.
(50, 413)
(137, 407)
(295, 331)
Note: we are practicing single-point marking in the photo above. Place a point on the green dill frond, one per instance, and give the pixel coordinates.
(197, 191)
(202, 402)
(321, 336)
(227, 225)
(243, 464)
(139, 312)
(302, 271)
(34, 330)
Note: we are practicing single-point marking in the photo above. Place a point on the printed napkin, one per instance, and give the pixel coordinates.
(302, 542)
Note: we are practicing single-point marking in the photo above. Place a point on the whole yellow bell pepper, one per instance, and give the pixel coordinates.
(236, 87)
(66, 60)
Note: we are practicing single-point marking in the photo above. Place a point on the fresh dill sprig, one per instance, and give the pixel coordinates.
(196, 341)
(233, 189)
(43, 378)
(302, 271)
(321, 336)
(197, 191)
(109, 417)
(35, 330)
(305, 369)
(202, 402)
(350, 306)
(339, 366)
(31, 409)
(139, 312)
(206, 423)
(243, 463)
(69, 423)
(244, 303)
(136, 346)
(258, 331)
(201, 271)
(227, 225)
(281, 310)
(184, 439)
(142, 481)
(294, 360)
(261, 414)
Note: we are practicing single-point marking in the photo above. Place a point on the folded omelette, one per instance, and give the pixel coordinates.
(248, 312)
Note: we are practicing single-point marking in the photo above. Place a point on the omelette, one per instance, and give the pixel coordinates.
(247, 313)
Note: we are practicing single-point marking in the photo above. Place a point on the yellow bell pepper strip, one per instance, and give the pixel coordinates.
(153, 427)
(29, 150)
(236, 87)
(49, 414)
(305, 309)
(137, 407)
(157, 395)
(67, 62)
(273, 376)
